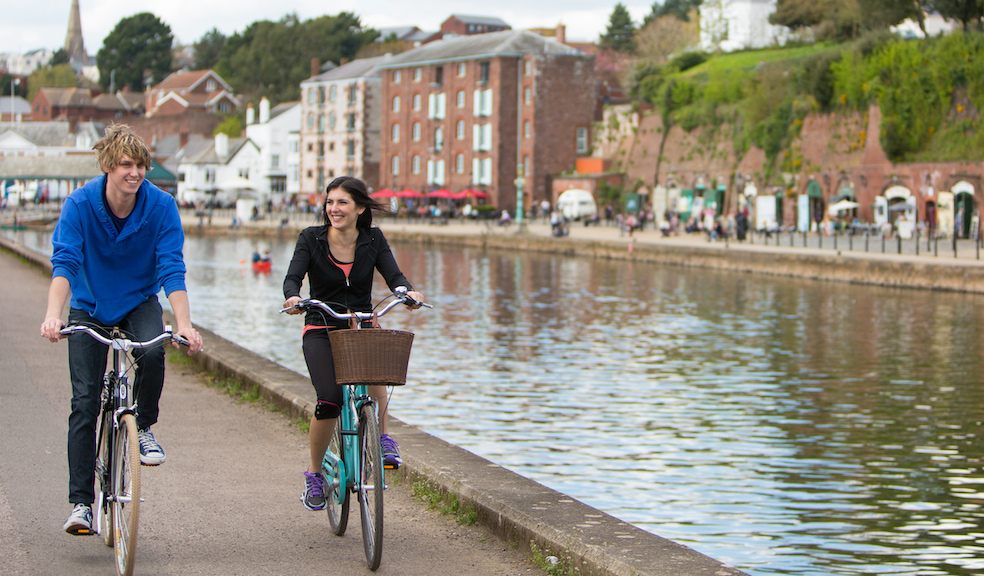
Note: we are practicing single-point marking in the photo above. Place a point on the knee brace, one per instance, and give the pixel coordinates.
(325, 410)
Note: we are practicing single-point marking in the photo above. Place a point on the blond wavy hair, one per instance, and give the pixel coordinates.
(120, 140)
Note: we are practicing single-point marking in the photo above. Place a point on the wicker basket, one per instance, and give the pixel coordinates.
(371, 356)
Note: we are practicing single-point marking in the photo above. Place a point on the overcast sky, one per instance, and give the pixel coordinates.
(30, 24)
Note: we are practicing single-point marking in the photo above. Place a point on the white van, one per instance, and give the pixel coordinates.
(575, 204)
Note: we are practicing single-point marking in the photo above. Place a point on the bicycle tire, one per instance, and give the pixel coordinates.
(126, 494)
(104, 517)
(337, 493)
(371, 485)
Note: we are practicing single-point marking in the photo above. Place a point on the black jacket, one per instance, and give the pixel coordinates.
(328, 284)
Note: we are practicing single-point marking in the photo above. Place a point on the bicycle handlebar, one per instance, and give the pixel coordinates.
(400, 298)
(125, 343)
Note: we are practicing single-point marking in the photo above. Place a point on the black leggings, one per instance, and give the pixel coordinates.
(321, 367)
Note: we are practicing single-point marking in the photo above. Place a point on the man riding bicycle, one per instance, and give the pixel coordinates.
(118, 241)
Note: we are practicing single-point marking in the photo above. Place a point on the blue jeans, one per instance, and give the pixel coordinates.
(87, 365)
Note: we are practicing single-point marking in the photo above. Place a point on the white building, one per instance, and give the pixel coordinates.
(729, 25)
(26, 63)
(277, 135)
(340, 119)
(222, 170)
(935, 24)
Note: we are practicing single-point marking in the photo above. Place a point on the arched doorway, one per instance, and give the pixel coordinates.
(964, 208)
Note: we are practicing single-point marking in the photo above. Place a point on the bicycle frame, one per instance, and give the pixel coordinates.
(354, 398)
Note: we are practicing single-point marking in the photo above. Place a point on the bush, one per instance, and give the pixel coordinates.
(688, 60)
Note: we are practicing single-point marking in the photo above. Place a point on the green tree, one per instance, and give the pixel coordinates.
(208, 49)
(231, 126)
(967, 12)
(620, 34)
(680, 9)
(844, 19)
(272, 58)
(138, 49)
(59, 76)
(58, 57)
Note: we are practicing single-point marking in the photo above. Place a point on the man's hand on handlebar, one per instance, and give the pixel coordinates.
(51, 328)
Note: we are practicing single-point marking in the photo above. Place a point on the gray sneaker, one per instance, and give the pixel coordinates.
(313, 496)
(151, 453)
(79, 522)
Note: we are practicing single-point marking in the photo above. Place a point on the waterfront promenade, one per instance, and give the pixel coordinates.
(234, 488)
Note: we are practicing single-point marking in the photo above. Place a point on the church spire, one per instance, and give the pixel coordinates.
(74, 46)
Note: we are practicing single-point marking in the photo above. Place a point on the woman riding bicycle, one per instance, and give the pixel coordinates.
(339, 259)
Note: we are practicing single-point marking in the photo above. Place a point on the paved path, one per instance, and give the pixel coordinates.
(226, 501)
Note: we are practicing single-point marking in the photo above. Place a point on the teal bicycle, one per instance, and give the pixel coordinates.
(364, 356)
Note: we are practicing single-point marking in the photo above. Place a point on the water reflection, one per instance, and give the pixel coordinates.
(784, 427)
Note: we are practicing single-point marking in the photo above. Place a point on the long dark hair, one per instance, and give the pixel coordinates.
(360, 195)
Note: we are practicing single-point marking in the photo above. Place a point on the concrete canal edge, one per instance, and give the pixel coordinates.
(586, 541)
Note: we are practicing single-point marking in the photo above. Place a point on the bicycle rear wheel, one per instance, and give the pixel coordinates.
(104, 517)
(125, 503)
(337, 493)
(371, 485)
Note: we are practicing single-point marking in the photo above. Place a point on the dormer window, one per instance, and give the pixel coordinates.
(210, 86)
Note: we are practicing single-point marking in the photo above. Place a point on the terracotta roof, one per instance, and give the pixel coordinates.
(108, 102)
(68, 96)
(182, 79)
(491, 45)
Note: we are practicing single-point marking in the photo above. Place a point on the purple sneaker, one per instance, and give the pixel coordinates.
(313, 496)
(391, 452)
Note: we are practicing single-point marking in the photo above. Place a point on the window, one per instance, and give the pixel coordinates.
(435, 106)
(438, 139)
(415, 132)
(310, 121)
(275, 161)
(331, 146)
(461, 69)
(395, 166)
(415, 165)
(353, 92)
(459, 164)
(210, 175)
(332, 93)
(527, 130)
(439, 76)
(482, 137)
(312, 95)
(416, 102)
(321, 94)
(528, 68)
(483, 72)
(350, 121)
(482, 102)
(331, 121)
(396, 103)
(481, 171)
(528, 95)
(321, 122)
(417, 74)
(321, 150)
(396, 80)
(350, 148)
(395, 133)
(460, 97)
(210, 86)
(460, 130)
(435, 172)
(582, 140)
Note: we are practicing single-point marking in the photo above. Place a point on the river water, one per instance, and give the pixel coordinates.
(784, 427)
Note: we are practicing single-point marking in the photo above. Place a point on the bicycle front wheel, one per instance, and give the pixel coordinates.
(371, 485)
(337, 492)
(104, 517)
(125, 497)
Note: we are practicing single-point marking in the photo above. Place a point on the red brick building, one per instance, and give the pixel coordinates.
(472, 111)
(181, 92)
(79, 105)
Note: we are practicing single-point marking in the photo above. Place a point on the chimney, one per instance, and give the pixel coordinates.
(250, 115)
(264, 110)
(183, 139)
(315, 67)
(561, 34)
(221, 145)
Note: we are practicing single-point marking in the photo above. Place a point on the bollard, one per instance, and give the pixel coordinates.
(917, 241)
(954, 245)
(865, 240)
(835, 240)
(883, 242)
(804, 238)
(820, 239)
(936, 246)
(850, 241)
(899, 238)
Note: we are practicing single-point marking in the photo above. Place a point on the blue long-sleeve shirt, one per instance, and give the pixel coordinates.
(111, 272)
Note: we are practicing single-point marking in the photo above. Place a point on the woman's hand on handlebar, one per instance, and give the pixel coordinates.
(290, 304)
(416, 299)
(51, 328)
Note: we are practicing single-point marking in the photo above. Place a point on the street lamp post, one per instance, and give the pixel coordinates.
(13, 82)
(520, 221)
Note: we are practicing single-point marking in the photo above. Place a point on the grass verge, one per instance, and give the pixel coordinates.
(448, 504)
(550, 564)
